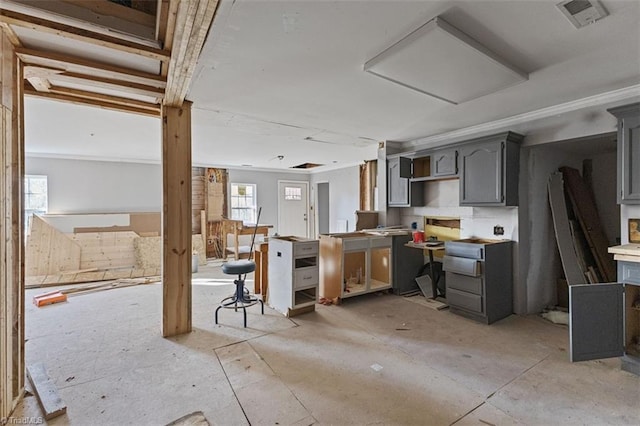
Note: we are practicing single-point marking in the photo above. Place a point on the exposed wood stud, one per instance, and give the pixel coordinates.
(81, 34)
(176, 220)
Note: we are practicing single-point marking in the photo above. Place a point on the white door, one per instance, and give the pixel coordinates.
(293, 208)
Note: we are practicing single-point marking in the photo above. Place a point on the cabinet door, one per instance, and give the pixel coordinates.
(398, 188)
(444, 163)
(596, 318)
(482, 169)
(630, 159)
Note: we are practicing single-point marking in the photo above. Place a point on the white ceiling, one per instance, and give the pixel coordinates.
(286, 78)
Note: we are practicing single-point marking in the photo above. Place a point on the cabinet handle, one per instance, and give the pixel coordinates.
(306, 278)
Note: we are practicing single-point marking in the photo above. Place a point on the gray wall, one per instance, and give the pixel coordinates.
(540, 264)
(267, 186)
(80, 186)
(344, 195)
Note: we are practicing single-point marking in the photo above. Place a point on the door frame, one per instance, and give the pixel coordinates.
(297, 182)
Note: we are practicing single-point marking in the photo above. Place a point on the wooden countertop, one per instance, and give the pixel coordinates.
(626, 252)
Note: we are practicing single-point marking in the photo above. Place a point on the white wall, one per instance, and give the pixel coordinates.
(267, 187)
(344, 195)
(80, 186)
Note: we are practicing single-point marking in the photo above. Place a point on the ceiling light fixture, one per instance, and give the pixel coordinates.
(441, 61)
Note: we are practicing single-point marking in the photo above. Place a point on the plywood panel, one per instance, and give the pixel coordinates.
(49, 251)
(106, 249)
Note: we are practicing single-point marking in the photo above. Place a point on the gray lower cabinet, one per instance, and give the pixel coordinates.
(604, 319)
(444, 163)
(407, 262)
(400, 191)
(489, 170)
(479, 282)
(628, 153)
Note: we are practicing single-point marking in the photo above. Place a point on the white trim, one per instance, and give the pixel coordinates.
(505, 123)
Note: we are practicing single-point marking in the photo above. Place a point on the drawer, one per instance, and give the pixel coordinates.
(380, 242)
(629, 272)
(464, 283)
(305, 277)
(462, 265)
(306, 248)
(464, 300)
(459, 249)
(352, 244)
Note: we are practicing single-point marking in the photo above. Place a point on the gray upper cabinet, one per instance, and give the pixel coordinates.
(400, 191)
(444, 163)
(489, 170)
(628, 153)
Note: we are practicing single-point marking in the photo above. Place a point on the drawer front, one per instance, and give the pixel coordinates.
(464, 283)
(305, 277)
(472, 251)
(303, 249)
(351, 244)
(462, 265)
(463, 300)
(629, 272)
(380, 242)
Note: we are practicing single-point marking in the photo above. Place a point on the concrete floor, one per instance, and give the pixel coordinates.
(375, 359)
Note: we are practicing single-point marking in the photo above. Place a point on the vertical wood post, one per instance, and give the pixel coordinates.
(11, 235)
(176, 219)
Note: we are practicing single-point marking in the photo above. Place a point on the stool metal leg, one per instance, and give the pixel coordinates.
(241, 298)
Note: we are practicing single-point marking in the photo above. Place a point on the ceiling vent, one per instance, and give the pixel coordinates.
(306, 166)
(582, 12)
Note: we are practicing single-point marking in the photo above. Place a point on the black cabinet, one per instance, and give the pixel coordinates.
(444, 163)
(605, 319)
(401, 191)
(489, 170)
(628, 153)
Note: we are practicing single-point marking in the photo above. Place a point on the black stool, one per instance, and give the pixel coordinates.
(241, 298)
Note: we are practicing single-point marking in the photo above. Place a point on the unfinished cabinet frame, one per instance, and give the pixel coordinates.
(354, 264)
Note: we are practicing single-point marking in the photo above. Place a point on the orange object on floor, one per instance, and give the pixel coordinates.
(49, 298)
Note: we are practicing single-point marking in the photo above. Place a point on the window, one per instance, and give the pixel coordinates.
(292, 193)
(35, 196)
(243, 202)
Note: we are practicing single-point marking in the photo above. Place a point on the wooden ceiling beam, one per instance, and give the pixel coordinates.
(97, 103)
(81, 34)
(11, 35)
(85, 66)
(39, 83)
(106, 83)
(101, 97)
(109, 8)
(193, 21)
(167, 29)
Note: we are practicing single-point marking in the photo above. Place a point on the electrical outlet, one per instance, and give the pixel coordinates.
(498, 230)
